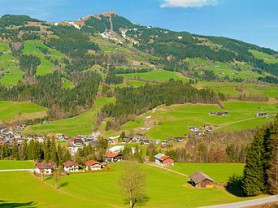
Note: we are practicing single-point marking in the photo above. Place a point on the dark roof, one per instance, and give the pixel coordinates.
(198, 176)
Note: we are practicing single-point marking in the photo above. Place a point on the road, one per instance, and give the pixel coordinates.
(17, 170)
(248, 203)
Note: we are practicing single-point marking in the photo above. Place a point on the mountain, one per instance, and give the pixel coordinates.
(121, 44)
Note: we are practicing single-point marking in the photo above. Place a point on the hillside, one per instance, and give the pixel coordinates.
(67, 67)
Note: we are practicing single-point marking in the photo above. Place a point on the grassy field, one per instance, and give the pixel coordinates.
(14, 164)
(219, 172)
(175, 120)
(81, 124)
(13, 111)
(234, 89)
(232, 70)
(156, 75)
(264, 56)
(101, 189)
(46, 67)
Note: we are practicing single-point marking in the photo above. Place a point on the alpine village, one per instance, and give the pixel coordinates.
(104, 112)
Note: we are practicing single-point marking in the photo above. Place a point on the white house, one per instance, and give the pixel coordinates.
(163, 160)
(44, 168)
(71, 167)
(93, 165)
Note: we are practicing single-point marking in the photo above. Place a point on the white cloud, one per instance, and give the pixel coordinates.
(187, 3)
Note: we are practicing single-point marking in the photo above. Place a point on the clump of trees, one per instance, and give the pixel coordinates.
(34, 150)
(112, 78)
(135, 101)
(261, 170)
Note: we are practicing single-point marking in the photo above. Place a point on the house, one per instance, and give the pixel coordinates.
(45, 168)
(201, 180)
(194, 128)
(93, 165)
(222, 113)
(117, 148)
(71, 167)
(262, 115)
(113, 157)
(163, 160)
(178, 139)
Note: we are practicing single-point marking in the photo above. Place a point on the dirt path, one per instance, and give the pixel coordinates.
(167, 169)
(248, 203)
(248, 119)
(17, 170)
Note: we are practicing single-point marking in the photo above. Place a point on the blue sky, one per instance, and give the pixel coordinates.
(254, 21)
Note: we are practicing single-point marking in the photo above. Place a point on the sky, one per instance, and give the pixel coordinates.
(253, 21)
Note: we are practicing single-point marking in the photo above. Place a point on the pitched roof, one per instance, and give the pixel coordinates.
(111, 154)
(161, 156)
(198, 176)
(91, 162)
(70, 163)
(49, 165)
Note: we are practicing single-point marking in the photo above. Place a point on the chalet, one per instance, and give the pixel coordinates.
(113, 157)
(178, 139)
(261, 115)
(93, 165)
(222, 113)
(163, 160)
(201, 180)
(71, 167)
(77, 141)
(194, 128)
(117, 148)
(45, 168)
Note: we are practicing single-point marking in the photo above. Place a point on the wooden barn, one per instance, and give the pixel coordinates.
(201, 180)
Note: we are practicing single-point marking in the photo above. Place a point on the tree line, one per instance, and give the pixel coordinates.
(135, 101)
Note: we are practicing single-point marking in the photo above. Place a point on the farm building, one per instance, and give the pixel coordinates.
(201, 180)
(45, 168)
(71, 167)
(163, 160)
(113, 157)
(93, 165)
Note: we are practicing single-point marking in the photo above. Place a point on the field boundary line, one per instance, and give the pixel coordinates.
(167, 169)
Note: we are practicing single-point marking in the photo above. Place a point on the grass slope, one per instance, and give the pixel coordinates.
(81, 124)
(264, 56)
(14, 164)
(101, 190)
(156, 75)
(13, 111)
(175, 120)
(219, 172)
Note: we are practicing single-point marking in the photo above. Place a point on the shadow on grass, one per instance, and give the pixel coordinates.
(63, 184)
(4, 204)
(234, 186)
(141, 202)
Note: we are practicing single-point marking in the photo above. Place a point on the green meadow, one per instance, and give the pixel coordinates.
(101, 189)
(81, 124)
(46, 67)
(235, 90)
(264, 56)
(171, 121)
(13, 111)
(156, 76)
(15, 164)
(219, 172)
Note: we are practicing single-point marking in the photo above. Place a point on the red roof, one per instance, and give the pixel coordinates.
(49, 165)
(111, 154)
(91, 162)
(70, 163)
(168, 161)
(164, 157)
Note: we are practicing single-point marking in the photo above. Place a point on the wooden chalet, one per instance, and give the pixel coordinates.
(93, 165)
(45, 168)
(201, 180)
